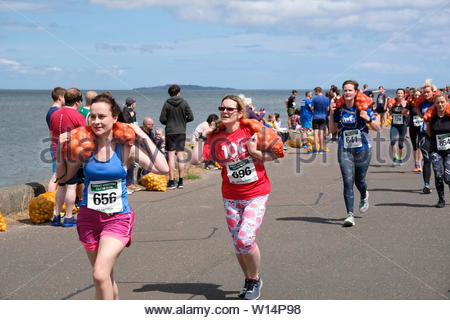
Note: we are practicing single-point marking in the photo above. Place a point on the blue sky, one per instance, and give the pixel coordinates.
(254, 44)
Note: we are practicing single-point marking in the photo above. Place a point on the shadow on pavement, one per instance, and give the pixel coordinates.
(401, 204)
(314, 219)
(209, 290)
(396, 190)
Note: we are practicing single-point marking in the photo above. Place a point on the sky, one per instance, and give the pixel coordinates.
(253, 44)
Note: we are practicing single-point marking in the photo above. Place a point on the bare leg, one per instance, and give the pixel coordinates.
(316, 139)
(59, 199)
(171, 165)
(103, 262)
(250, 263)
(180, 157)
(321, 133)
(51, 184)
(71, 193)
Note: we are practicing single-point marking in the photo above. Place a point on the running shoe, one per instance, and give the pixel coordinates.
(416, 169)
(253, 289)
(400, 162)
(426, 190)
(419, 169)
(349, 221)
(56, 222)
(69, 222)
(171, 185)
(243, 291)
(180, 184)
(324, 150)
(130, 190)
(364, 203)
(394, 162)
(441, 203)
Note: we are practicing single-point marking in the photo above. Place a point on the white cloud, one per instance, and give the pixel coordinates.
(14, 66)
(388, 68)
(367, 14)
(6, 6)
(114, 71)
(56, 69)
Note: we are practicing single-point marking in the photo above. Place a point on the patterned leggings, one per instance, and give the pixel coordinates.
(244, 217)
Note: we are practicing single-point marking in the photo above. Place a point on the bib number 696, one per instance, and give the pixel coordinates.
(104, 198)
(242, 173)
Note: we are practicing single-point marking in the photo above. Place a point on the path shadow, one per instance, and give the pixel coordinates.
(401, 204)
(381, 165)
(315, 219)
(402, 172)
(396, 190)
(209, 290)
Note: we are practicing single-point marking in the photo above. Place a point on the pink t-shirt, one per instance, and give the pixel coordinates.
(243, 177)
(63, 120)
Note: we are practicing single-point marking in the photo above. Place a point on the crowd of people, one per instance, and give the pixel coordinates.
(99, 183)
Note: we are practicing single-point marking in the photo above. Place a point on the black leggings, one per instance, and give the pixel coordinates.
(414, 133)
(441, 167)
(424, 144)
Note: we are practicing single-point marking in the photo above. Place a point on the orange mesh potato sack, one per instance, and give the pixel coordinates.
(362, 102)
(3, 225)
(267, 138)
(82, 140)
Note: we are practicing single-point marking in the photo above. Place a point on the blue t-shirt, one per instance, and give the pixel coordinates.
(348, 119)
(320, 104)
(49, 114)
(423, 108)
(305, 111)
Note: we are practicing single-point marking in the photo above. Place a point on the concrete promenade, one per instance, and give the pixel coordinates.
(399, 249)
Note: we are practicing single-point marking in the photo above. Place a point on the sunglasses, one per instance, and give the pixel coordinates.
(222, 109)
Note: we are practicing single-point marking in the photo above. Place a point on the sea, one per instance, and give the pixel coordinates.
(24, 135)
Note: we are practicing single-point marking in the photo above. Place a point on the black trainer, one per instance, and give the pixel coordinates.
(441, 203)
(253, 289)
(180, 184)
(426, 190)
(244, 289)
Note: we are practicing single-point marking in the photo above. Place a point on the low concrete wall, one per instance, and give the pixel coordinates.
(16, 198)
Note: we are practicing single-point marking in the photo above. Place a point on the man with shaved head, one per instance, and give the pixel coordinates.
(86, 110)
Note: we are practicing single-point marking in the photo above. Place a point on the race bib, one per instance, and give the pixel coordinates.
(105, 196)
(241, 172)
(397, 119)
(417, 121)
(352, 139)
(443, 141)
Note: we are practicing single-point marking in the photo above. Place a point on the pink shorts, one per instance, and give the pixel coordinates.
(92, 225)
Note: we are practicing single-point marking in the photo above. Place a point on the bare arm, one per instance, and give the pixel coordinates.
(65, 169)
(147, 154)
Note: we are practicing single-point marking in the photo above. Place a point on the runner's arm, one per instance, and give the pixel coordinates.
(65, 169)
(147, 154)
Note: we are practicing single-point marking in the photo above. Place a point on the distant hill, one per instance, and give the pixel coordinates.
(183, 87)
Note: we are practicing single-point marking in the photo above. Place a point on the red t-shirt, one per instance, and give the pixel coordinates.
(243, 177)
(63, 120)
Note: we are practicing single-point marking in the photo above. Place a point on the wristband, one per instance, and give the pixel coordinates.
(202, 137)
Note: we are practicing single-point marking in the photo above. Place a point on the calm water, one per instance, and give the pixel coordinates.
(24, 142)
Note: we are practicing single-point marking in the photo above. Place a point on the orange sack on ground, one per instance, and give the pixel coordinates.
(3, 225)
(362, 102)
(82, 140)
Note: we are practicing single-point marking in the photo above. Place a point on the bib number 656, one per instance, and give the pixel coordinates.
(104, 198)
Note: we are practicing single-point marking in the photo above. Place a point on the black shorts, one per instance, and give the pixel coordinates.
(175, 142)
(380, 110)
(76, 179)
(319, 124)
